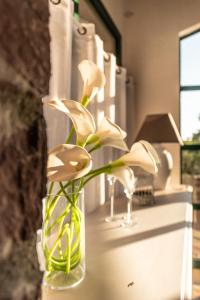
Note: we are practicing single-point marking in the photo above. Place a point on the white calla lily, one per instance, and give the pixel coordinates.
(109, 134)
(93, 78)
(81, 117)
(150, 149)
(126, 176)
(142, 155)
(68, 162)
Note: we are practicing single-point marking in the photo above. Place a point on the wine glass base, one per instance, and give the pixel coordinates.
(111, 219)
(129, 222)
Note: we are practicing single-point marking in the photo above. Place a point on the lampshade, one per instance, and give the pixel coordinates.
(159, 128)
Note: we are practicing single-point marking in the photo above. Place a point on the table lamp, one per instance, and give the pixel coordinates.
(158, 129)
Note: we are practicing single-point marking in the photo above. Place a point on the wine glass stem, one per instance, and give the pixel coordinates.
(129, 210)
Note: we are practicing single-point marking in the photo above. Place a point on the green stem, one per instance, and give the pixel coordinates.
(102, 169)
(68, 139)
(97, 146)
(64, 192)
(92, 176)
(68, 251)
(85, 101)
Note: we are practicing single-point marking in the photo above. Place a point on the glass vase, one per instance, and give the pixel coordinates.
(63, 239)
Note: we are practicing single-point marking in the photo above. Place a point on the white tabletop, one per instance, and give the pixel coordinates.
(155, 255)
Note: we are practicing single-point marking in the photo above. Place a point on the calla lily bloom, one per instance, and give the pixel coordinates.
(109, 134)
(93, 78)
(126, 176)
(67, 162)
(81, 117)
(143, 155)
(150, 149)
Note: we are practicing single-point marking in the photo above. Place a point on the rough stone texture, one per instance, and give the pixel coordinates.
(22, 161)
(22, 186)
(24, 76)
(24, 40)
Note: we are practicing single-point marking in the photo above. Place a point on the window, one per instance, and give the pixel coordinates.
(190, 106)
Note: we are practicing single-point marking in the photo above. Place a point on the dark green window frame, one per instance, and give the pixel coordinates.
(193, 147)
(108, 22)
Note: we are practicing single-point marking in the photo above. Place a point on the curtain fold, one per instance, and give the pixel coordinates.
(110, 92)
(109, 106)
(60, 28)
(120, 113)
(120, 98)
(131, 111)
(88, 45)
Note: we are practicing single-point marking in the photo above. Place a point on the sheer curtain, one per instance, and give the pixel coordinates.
(109, 107)
(110, 91)
(120, 98)
(60, 28)
(120, 115)
(88, 45)
(130, 90)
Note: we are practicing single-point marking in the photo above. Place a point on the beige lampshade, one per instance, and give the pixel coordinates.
(159, 128)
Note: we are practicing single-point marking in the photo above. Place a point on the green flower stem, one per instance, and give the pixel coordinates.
(97, 146)
(60, 218)
(71, 257)
(59, 244)
(58, 240)
(68, 251)
(106, 168)
(55, 199)
(85, 101)
(92, 139)
(64, 192)
(71, 133)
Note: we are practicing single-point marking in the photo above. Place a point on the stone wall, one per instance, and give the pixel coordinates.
(24, 75)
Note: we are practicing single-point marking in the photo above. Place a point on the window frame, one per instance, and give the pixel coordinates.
(183, 88)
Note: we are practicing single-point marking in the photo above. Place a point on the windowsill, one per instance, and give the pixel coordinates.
(156, 254)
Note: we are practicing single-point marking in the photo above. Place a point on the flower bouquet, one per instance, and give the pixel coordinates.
(69, 169)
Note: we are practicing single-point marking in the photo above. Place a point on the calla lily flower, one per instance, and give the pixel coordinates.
(67, 162)
(126, 176)
(93, 78)
(109, 134)
(143, 155)
(150, 149)
(81, 117)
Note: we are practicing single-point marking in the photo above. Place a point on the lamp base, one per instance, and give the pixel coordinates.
(162, 179)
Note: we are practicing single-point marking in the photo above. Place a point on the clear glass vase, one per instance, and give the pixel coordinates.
(63, 239)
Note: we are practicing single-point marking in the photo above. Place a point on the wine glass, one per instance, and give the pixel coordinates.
(128, 219)
(111, 180)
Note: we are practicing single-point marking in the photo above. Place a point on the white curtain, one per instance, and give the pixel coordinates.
(87, 45)
(109, 107)
(130, 90)
(60, 28)
(120, 98)
(120, 112)
(110, 89)
(110, 86)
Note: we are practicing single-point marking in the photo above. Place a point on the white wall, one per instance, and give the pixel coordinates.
(151, 54)
(116, 10)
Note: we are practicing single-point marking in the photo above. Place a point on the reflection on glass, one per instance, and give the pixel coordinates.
(190, 116)
(190, 165)
(190, 60)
